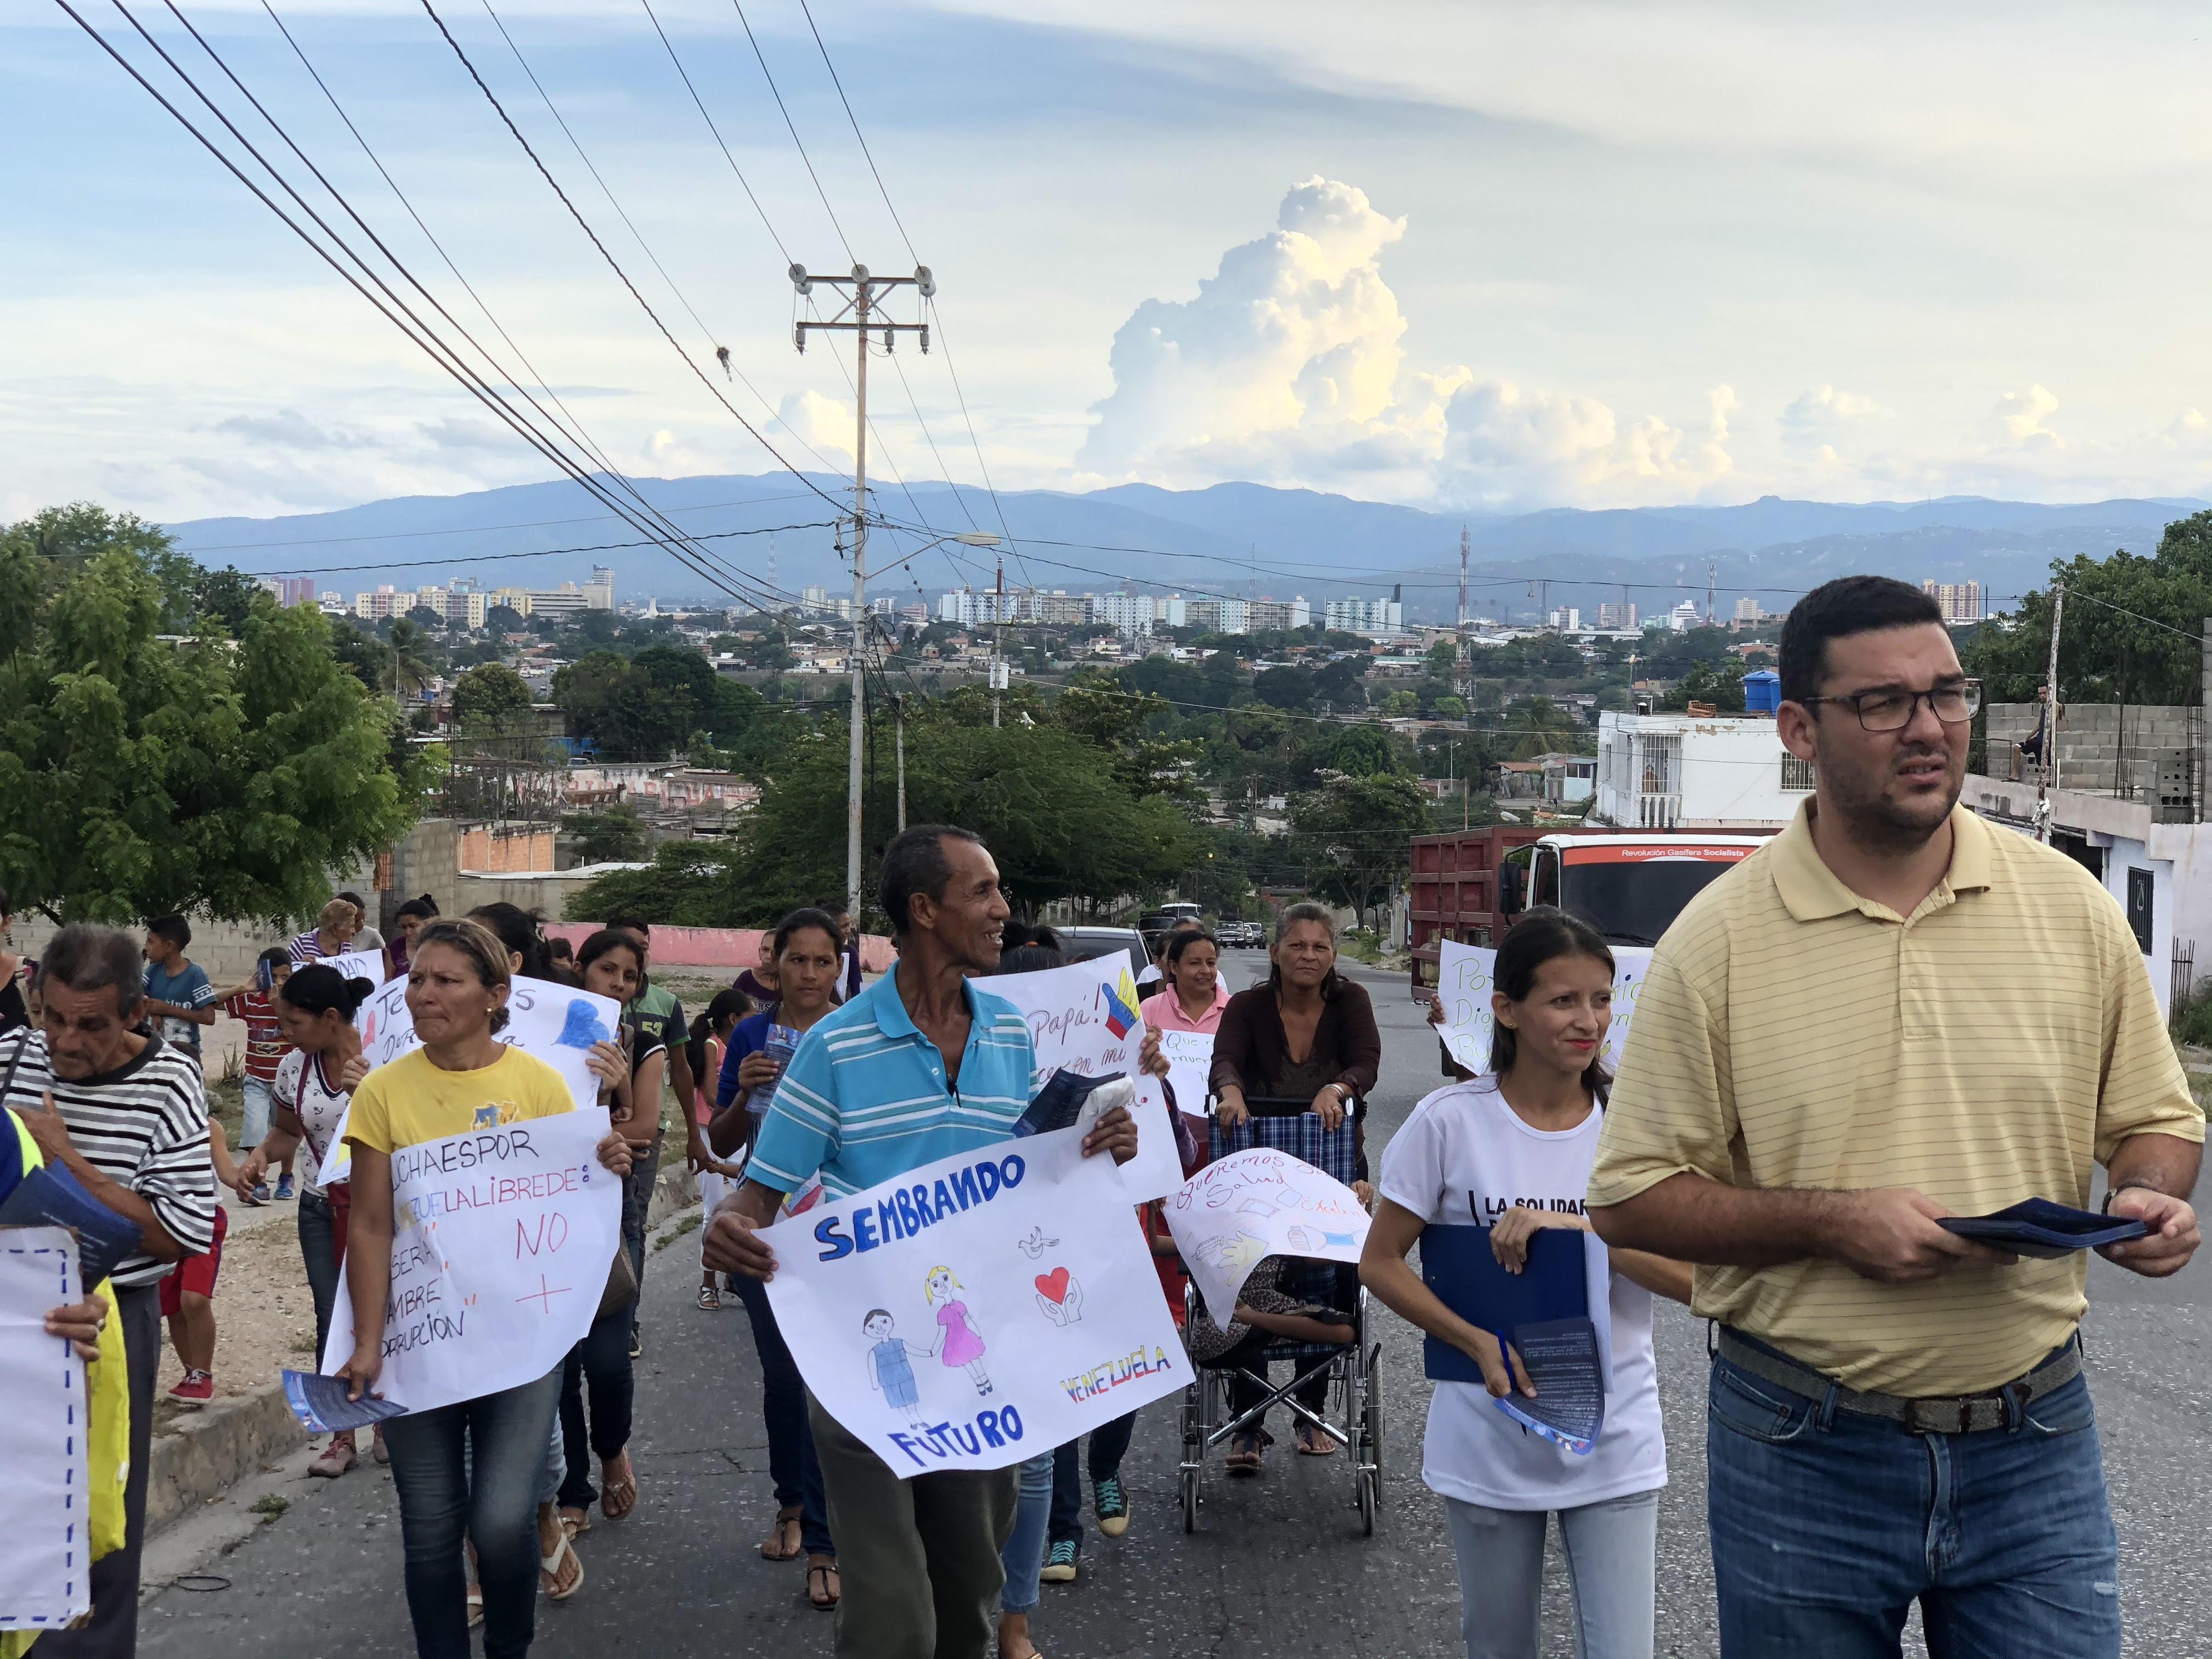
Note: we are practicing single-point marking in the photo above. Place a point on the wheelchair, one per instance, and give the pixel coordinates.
(1353, 1413)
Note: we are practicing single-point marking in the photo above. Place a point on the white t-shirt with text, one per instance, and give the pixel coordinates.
(1464, 1158)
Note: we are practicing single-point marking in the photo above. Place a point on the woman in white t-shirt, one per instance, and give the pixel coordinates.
(1511, 1151)
(314, 1086)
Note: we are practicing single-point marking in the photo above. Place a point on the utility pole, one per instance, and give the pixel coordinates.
(898, 717)
(2043, 804)
(1709, 592)
(1466, 662)
(861, 307)
(998, 638)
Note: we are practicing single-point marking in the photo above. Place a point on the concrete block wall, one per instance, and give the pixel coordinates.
(2092, 736)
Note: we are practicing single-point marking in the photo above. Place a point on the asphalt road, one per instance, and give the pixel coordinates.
(1277, 1566)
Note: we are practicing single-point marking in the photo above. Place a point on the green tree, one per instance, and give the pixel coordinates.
(1537, 726)
(410, 655)
(505, 619)
(367, 658)
(59, 541)
(2102, 651)
(614, 836)
(1356, 835)
(1719, 683)
(492, 700)
(139, 776)
(228, 595)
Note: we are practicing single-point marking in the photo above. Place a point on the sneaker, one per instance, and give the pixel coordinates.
(283, 1188)
(195, 1388)
(1060, 1564)
(1112, 1504)
(260, 1192)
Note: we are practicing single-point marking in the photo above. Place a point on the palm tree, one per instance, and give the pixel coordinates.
(410, 671)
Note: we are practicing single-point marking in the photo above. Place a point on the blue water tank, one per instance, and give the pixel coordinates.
(1762, 691)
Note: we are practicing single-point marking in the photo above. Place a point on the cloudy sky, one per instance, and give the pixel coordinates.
(1475, 256)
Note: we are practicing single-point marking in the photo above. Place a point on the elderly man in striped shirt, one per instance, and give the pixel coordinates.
(927, 1063)
(128, 1115)
(1892, 1014)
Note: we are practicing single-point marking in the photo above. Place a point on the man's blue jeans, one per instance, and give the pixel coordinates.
(473, 1470)
(1828, 1524)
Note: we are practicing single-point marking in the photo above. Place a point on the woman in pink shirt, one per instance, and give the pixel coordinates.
(1195, 996)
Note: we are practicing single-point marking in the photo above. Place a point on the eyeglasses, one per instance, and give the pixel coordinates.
(1892, 708)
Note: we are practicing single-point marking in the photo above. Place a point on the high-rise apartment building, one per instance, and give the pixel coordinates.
(1616, 616)
(1381, 619)
(1960, 601)
(1280, 616)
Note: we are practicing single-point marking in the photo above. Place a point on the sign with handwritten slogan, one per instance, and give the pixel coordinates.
(1251, 1205)
(501, 1239)
(978, 1310)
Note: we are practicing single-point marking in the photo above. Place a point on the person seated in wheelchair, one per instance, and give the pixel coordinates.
(1307, 1034)
(1268, 1314)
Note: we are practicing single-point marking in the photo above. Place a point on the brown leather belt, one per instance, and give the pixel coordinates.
(1971, 1413)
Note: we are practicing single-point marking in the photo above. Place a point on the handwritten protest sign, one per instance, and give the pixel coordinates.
(1189, 1056)
(1251, 1205)
(978, 1310)
(1466, 978)
(1084, 1018)
(557, 1022)
(42, 1435)
(501, 1239)
(359, 964)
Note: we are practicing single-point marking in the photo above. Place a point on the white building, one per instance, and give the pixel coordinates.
(1669, 771)
(1220, 615)
(1616, 616)
(1567, 619)
(1684, 617)
(1376, 619)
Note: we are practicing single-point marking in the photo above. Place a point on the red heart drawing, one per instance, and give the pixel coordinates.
(1054, 1283)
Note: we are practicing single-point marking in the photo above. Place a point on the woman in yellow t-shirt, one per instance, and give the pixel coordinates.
(471, 1469)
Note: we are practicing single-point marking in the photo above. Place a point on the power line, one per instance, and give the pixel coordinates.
(855, 120)
(716, 131)
(418, 332)
(791, 127)
(613, 263)
(541, 553)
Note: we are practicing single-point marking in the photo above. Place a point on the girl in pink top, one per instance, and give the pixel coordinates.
(957, 1341)
(1195, 995)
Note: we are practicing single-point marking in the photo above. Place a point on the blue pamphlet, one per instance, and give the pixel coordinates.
(320, 1402)
(1561, 1358)
(1457, 1264)
(52, 1197)
(2037, 1227)
(1059, 1103)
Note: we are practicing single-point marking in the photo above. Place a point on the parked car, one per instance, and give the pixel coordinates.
(1240, 935)
(1084, 944)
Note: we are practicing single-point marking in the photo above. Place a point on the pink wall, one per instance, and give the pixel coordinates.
(733, 948)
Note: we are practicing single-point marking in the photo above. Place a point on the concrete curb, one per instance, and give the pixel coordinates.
(200, 1458)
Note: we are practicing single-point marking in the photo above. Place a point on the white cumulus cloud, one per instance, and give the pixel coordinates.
(2023, 414)
(1816, 416)
(1288, 367)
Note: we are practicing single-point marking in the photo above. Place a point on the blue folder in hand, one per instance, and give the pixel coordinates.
(1544, 1311)
(52, 1197)
(2037, 1227)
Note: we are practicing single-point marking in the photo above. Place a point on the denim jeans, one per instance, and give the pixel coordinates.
(602, 1359)
(1109, 1445)
(1828, 1524)
(319, 1252)
(253, 1122)
(1023, 1556)
(792, 1464)
(637, 1201)
(1610, 1548)
(471, 1470)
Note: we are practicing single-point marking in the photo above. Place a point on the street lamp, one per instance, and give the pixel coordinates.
(970, 539)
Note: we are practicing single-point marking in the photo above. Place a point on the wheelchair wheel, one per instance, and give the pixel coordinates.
(1190, 1500)
(1374, 1418)
(1368, 1498)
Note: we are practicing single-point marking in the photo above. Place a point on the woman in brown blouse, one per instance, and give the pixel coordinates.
(1307, 1032)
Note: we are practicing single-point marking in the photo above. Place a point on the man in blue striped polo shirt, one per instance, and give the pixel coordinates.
(919, 1066)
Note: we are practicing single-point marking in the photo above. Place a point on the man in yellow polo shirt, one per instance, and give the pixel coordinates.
(1892, 1013)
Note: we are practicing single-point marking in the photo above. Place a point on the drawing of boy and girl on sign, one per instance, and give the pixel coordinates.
(890, 1369)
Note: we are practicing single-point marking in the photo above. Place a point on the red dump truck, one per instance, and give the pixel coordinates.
(1469, 886)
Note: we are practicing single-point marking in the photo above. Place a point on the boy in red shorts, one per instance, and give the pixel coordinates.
(188, 1292)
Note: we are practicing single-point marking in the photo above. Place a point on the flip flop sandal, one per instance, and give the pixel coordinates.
(550, 1566)
(1312, 1443)
(475, 1606)
(573, 1526)
(832, 1587)
(710, 1299)
(773, 1546)
(617, 1497)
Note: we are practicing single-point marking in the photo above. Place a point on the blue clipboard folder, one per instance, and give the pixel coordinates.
(1555, 1312)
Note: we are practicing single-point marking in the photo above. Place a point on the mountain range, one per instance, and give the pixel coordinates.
(1233, 540)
